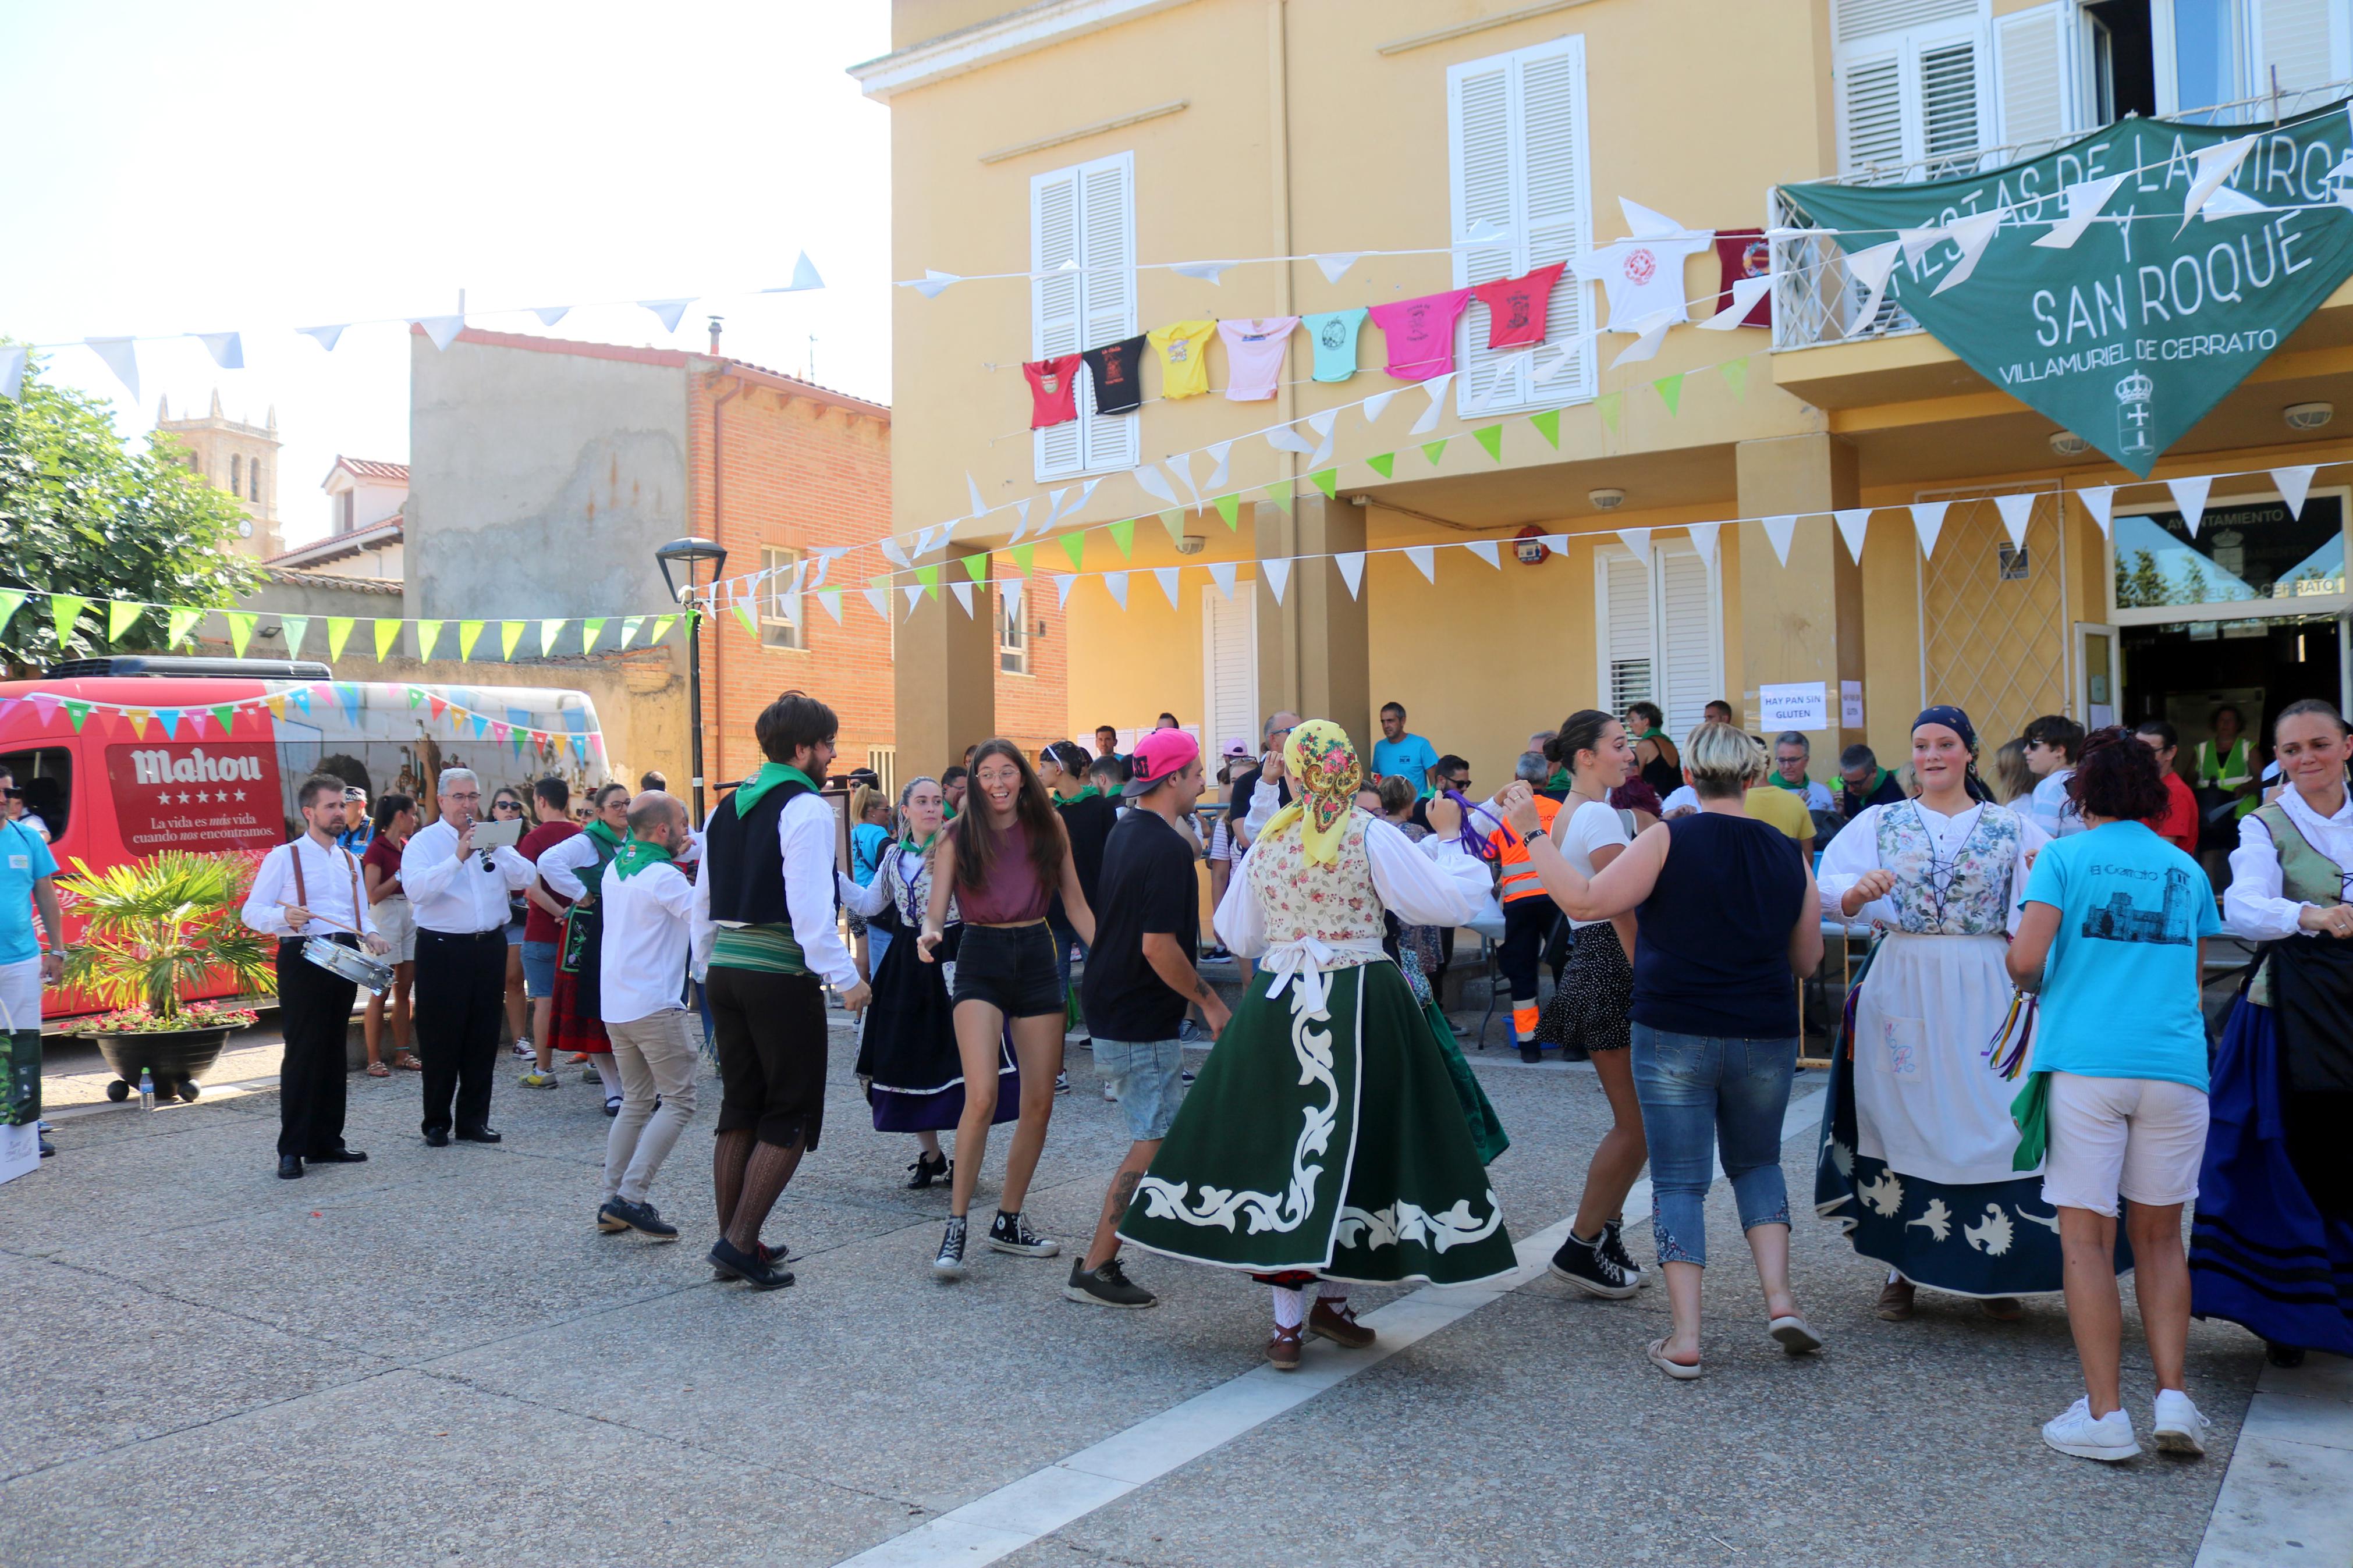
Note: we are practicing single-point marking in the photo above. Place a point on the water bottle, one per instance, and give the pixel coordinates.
(146, 1089)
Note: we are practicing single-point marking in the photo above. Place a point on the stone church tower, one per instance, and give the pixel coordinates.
(240, 459)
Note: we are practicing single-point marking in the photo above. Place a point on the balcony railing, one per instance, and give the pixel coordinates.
(1817, 300)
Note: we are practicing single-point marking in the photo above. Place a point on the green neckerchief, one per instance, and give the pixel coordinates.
(908, 842)
(1650, 734)
(601, 830)
(635, 855)
(1559, 779)
(771, 774)
(1089, 792)
(1873, 789)
(1798, 788)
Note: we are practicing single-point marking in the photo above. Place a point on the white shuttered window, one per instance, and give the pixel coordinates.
(2039, 72)
(1913, 84)
(1083, 214)
(1516, 129)
(1228, 673)
(1660, 631)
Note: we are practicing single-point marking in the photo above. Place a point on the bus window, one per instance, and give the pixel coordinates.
(45, 777)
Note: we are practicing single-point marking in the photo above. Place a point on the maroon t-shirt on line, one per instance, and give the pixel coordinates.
(539, 925)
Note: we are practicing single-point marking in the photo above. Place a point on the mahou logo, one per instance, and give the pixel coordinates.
(162, 767)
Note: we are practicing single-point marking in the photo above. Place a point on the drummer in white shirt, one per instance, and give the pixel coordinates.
(459, 899)
(311, 888)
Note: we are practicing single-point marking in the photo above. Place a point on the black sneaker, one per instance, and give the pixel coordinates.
(1106, 1286)
(1583, 1265)
(754, 1271)
(1011, 1232)
(644, 1218)
(1613, 1248)
(949, 1264)
(926, 1172)
(1061, 1083)
(1531, 1053)
(774, 1256)
(609, 1218)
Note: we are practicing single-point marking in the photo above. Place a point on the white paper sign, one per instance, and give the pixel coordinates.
(1851, 704)
(20, 1151)
(1794, 705)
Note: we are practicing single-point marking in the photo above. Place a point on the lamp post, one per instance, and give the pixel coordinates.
(688, 555)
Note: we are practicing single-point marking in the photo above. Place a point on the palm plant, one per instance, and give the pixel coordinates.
(159, 926)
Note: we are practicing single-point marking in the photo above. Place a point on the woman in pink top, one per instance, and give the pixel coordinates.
(1004, 859)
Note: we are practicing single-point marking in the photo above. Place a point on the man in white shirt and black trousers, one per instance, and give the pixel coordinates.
(305, 889)
(458, 895)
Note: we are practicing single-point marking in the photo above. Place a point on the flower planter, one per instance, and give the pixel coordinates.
(173, 1059)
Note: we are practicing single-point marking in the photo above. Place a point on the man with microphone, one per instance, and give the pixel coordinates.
(458, 895)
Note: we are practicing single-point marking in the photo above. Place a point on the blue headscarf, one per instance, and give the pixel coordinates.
(1953, 719)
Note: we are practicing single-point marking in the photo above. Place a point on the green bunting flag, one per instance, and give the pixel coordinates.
(77, 712)
(1280, 494)
(180, 622)
(744, 614)
(1491, 438)
(630, 627)
(1023, 554)
(240, 629)
(1328, 481)
(1382, 463)
(548, 632)
(510, 634)
(296, 627)
(975, 565)
(387, 634)
(11, 601)
(1434, 450)
(1547, 424)
(1174, 522)
(225, 717)
(1230, 507)
(1074, 545)
(469, 634)
(1610, 404)
(662, 624)
(929, 577)
(65, 609)
(1671, 391)
(1123, 535)
(416, 696)
(339, 632)
(590, 630)
(1735, 375)
(120, 617)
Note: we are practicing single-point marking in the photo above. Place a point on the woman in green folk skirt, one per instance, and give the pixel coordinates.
(1330, 1137)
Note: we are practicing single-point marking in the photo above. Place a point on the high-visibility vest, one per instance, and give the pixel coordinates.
(1519, 873)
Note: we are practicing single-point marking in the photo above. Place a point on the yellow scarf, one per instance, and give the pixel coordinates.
(1324, 775)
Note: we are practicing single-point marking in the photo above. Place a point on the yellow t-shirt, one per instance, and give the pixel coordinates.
(1184, 357)
(1783, 809)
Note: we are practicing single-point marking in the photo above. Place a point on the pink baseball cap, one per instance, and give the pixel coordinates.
(1158, 757)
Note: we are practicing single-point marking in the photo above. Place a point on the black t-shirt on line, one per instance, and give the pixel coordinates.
(1148, 885)
(1117, 371)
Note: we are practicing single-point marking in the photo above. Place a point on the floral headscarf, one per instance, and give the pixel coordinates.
(1323, 767)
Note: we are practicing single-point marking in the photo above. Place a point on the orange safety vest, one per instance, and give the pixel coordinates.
(1519, 874)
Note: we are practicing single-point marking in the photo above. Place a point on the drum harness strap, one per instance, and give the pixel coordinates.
(303, 892)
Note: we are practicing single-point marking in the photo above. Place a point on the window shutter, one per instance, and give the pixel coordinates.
(1229, 675)
(1624, 618)
(2302, 40)
(1107, 308)
(1949, 109)
(1557, 213)
(1054, 303)
(2033, 59)
(1871, 112)
(1486, 146)
(1869, 18)
(1687, 639)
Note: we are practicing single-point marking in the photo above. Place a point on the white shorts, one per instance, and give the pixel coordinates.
(20, 994)
(395, 922)
(2140, 1138)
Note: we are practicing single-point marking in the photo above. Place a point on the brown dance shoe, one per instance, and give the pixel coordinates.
(2004, 1309)
(1896, 1301)
(1284, 1348)
(1336, 1320)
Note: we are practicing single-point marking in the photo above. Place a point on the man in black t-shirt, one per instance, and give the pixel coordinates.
(1140, 977)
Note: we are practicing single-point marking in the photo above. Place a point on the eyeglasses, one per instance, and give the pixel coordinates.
(462, 794)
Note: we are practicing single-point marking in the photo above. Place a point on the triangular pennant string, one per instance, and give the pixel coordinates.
(1166, 577)
(1115, 582)
(2016, 510)
(120, 617)
(1703, 538)
(1548, 424)
(1637, 540)
(1351, 563)
(510, 634)
(1851, 522)
(1779, 530)
(2295, 484)
(1927, 521)
(339, 632)
(240, 629)
(387, 631)
(2189, 495)
(2097, 499)
(470, 632)
(1221, 573)
(1486, 550)
(1425, 560)
(1277, 574)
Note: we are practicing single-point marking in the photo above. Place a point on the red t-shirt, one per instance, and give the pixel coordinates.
(1053, 389)
(1743, 253)
(1517, 307)
(539, 925)
(2179, 826)
(385, 855)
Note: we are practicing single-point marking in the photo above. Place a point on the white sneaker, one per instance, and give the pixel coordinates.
(1111, 1090)
(524, 1048)
(2179, 1429)
(2108, 1439)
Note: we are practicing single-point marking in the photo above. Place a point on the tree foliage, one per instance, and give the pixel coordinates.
(82, 513)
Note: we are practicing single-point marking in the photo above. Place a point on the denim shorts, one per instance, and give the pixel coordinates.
(539, 968)
(1149, 1075)
(1011, 968)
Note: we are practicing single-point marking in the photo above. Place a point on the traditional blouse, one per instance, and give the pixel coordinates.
(2255, 905)
(1955, 875)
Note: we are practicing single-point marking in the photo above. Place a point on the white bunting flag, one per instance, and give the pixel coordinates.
(1053, 507)
(932, 282)
(1010, 590)
(1221, 573)
(2097, 499)
(2189, 495)
(121, 357)
(2228, 203)
(1637, 540)
(12, 372)
(963, 591)
(1336, 263)
(1972, 234)
(2015, 512)
(550, 314)
(1703, 538)
(667, 311)
(1377, 404)
(1167, 576)
(1501, 371)
(1559, 362)
(1927, 521)
(1351, 563)
(442, 330)
(1277, 572)
(1062, 580)
(1116, 584)
(1021, 514)
(1649, 332)
(893, 553)
(1918, 242)
(1436, 386)
(1221, 453)
(2295, 484)
(294, 627)
(1425, 560)
(805, 277)
(325, 337)
(1284, 439)
(1154, 483)
(1207, 271)
(922, 545)
(1181, 465)
(1779, 530)
(1086, 494)
(1486, 550)
(1321, 423)
(829, 600)
(1745, 293)
(2215, 164)
(914, 597)
(878, 600)
(228, 349)
(1645, 224)
(1485, 231)
(1555, 542)
(1871, 268)
(2084, 200)
(1851, 522)
(972, 490)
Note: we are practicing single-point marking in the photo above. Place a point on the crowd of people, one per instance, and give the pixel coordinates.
(1988, 1131)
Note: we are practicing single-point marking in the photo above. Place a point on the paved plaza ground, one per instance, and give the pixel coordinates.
(435, 1358)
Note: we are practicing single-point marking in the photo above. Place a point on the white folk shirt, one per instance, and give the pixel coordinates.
(1434, 882)
(647, 939)
(2254, 905)
(560, 864)
(327, 882)
(458, 897)
(804, 836)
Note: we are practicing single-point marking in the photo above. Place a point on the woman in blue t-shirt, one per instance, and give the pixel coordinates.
(2113, 917)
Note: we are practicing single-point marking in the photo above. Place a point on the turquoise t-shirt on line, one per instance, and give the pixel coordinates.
(1410, 759)
(2120, 986)
(24, 860)
(1333, 334)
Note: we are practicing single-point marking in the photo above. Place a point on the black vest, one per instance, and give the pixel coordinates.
(743, 861)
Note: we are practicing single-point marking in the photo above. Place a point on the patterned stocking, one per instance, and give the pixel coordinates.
(727, 1160)
(1289, 1307)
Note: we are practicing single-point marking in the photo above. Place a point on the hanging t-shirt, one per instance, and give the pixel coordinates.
(1420, 332)
(1642, 276)
(1118, 371)
(1053, 389)
(1254, 351)
(1184, 357)
(1743, 253)
(1335, 335)
(1517, 307)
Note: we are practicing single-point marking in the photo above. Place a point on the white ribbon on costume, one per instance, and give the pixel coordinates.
(1307, 960)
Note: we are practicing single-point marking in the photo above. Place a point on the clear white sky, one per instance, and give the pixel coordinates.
(258, 165)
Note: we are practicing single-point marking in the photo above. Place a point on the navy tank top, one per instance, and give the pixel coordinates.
(1712, 956)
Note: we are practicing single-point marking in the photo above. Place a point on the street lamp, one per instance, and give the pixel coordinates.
(688, 555)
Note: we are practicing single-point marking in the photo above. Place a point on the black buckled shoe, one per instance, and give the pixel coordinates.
(439, 1138)
(289, 1167)
(478, 1135)
(337, 1157)
(752, 1271)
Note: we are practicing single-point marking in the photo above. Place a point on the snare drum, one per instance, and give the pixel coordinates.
(348, 963)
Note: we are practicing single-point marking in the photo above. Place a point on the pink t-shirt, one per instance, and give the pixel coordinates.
(1254, 351)
(1421, 333)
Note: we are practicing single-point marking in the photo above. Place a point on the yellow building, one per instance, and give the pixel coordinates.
(238, 458)
(1059, 155)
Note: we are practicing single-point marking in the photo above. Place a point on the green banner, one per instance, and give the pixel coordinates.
(2132, 333)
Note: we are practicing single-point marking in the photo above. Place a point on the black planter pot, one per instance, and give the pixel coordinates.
(173, 1059)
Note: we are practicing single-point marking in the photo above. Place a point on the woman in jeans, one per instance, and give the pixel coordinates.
(1724, 918)
(2113, 916)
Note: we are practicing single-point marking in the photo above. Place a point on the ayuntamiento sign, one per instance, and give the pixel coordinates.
(2128, 337)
